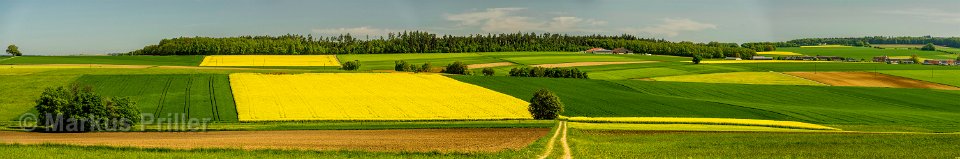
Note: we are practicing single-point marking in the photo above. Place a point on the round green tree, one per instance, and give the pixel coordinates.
(545, 105)
(13, 50)
(697, 59)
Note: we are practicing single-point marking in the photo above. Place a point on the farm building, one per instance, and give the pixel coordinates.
(830, 58)
(598, 50)
(622, 51)
(761, 58)
(805, 58)
(939, 62)
(732, 58)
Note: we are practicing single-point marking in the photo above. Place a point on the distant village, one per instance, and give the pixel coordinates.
(884, 59)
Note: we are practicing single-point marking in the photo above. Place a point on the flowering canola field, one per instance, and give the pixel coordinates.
(368, 96)
(270, 60)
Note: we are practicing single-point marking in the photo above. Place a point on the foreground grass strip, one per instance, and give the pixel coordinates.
(707, 121)
(270, 60)
(368, 96)
(660, 144)
(681, 127)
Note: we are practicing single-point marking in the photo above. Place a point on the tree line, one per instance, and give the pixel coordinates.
(866, 41)
(424, 42)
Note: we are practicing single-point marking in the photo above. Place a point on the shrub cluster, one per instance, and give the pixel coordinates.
(488, 71)
(80, 109)
(351, 65)
(457, 68)
(547, 72)
(403, 66)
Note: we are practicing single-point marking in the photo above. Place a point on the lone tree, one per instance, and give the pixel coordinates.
(13, 50)
(697, 59)
(545, 105)
(351, 65)
(915, 59)
(929, 47)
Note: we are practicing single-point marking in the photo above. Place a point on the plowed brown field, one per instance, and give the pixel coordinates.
(868, 79)
(416, 140)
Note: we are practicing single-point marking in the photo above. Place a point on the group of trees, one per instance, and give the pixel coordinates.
(424, 42)
(457, 68)
(929, 47)
(79, 109)
(866, 41)
(403, 66)
(547, 72)
(13, 50)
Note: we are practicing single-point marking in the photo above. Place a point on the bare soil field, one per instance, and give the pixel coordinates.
(575, 64)
(407, 140)
(485, 65)
(868, 79)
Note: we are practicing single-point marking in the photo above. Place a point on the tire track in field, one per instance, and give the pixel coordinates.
(549, 150)
(563, 140)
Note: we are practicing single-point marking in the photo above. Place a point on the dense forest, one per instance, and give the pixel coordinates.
(424, 42)
(866, 41)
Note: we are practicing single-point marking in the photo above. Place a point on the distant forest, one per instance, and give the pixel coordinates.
(866, 41)
(424, 42)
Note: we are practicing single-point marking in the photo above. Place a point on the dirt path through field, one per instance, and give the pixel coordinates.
(414, 140)
(549, 149)
(575, 64)
(868, 79)
(485, 65)
(563, 140)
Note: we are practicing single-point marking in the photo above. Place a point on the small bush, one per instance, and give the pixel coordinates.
(401, 66)
(351, 65)
(929, 47)
(457, 68)
(425, 67)
(545, 105)
(80, 109)
(697, 59)
(488, 71)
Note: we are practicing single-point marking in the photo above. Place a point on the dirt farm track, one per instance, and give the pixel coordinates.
(410, 140)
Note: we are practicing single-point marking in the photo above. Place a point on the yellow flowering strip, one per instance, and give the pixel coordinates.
(270, 60)
(368, 96)
(706, 121)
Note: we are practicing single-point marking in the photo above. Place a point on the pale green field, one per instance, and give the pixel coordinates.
(772, 78)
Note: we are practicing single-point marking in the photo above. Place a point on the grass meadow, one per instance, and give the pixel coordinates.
(862, 52)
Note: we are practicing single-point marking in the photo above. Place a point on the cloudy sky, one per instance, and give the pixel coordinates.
(106, 26)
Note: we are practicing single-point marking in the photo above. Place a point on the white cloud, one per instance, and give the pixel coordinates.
(672, 27)
(508, 20)
(357, 31)
(933, 15)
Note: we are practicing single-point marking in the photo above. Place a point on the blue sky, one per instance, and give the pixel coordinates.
(50, 27)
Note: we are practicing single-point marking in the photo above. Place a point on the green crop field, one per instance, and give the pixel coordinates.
(773, 78)
(598, 98)
(386, 61)
(895, 109)
(917, 46)
(112, 60)
(863, 52)
(645, 144)
(202, 96)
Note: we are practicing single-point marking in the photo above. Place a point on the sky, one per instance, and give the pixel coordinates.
(66, 27)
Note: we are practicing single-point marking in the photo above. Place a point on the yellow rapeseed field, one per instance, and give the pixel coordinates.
(707, 121)
(368, 96)
(270, 60)
(779, 53)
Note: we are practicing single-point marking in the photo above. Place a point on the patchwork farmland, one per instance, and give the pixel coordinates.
(655, 106)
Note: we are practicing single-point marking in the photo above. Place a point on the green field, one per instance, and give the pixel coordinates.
(386, 61)
(864, 52)
(111, 60)
(201, 96)
(917, 46)
(646, 144)
(772, 78)
(895, 109)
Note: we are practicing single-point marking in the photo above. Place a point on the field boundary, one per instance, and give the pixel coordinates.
(803, 78)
